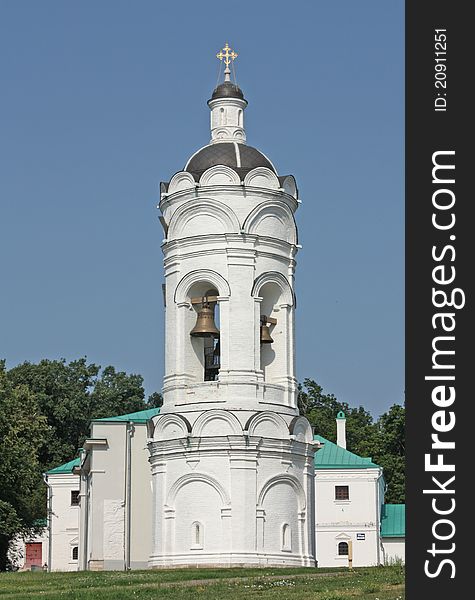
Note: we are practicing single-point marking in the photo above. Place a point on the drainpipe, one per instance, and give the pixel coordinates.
(378, 521)
(49, 511)
(129, 431)
(84, 522)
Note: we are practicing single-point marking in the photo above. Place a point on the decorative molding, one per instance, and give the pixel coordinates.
(220, 175)
(279, 426)
(195, 477)
(278, 279)
(179, 424)
(283, 478)
(217, 414)
(262, 177)
(200, 275)
(277, 211)
(207, 207)
(181, 181)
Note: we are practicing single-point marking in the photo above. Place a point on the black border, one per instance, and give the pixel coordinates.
(428, 131)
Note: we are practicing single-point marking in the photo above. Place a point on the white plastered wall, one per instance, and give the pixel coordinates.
(356, 519)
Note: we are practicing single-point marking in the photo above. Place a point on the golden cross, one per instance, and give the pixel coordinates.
(227, 55)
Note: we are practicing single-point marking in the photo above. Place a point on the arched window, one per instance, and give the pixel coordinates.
(197, 536)
(75, 553)
(222, 120)
(239, 118)
(286, 537)
(343, 549)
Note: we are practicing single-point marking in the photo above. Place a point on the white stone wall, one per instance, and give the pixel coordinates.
(241, 489)
(110, 538)
(64, 521)
(17, 551)
(394, 549)
(344, 520)
(241, 243)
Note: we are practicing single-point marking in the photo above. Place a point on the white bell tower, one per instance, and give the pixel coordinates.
(232, 460)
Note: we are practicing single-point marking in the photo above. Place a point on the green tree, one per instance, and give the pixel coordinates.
(155, 400)
(70, 394)
(383, 440)
(22, 433)
(321, 410)
(387, 447)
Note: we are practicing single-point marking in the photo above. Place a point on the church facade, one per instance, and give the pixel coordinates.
(100, 504)
(227, 472)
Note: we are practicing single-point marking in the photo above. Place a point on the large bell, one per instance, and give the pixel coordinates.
(205, 326)
(265, 332)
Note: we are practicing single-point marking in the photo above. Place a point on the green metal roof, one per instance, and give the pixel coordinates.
(137, 417)
(393, 520)
(66, 468)
(332, 456)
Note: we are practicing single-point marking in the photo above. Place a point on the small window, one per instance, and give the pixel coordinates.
(75, 498)
(342, 492)
(286, 538)
(197, 536)
(75, 553)
(343, 549)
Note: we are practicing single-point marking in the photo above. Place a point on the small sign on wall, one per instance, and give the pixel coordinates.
(360, 536)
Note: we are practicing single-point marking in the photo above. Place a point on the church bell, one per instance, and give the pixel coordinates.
(265, 332)
(205, 325)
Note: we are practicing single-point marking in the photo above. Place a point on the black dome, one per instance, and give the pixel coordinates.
(227, 89)
(226, 153)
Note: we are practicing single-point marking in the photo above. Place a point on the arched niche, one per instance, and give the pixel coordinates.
(202, 216)
(220, 175)
(289, 185)
(267, 424)
(301, 429)
(272, 219)
(188, 478)
(171, 427)
(181, 181)
(216, 422)
(196, 498)
(262, 177)
(282, 499)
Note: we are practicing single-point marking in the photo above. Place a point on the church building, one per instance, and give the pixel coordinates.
(226, 472)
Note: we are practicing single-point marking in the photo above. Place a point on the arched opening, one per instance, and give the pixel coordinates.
(75, 553)
(273, 359)
(286, 538)
(222, 117)
(343, 549)
(203, 358)
(239, 118)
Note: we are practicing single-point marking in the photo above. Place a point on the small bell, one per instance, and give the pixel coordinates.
(265, 332)
(205, 325)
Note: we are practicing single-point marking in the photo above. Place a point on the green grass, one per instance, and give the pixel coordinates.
(377, 583)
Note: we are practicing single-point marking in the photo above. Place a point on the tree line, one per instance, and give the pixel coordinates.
(46, 409)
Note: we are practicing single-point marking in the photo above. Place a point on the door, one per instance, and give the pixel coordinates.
(33, 554)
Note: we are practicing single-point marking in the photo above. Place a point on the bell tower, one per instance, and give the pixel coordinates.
(232, 460)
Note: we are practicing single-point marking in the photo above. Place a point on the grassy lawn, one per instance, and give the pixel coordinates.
(377, 583)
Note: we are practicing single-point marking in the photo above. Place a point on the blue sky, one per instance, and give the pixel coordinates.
(102, 100)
